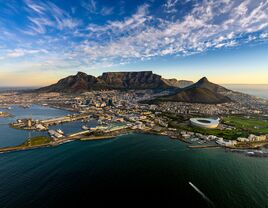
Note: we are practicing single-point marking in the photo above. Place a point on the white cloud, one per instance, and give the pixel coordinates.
(16, 53)
(170, 6)
(39, 8)
(44, 15)
(90, 5)
(136, 21)
(264, 35)
(141, 35)
(106, 11)
(19, 52)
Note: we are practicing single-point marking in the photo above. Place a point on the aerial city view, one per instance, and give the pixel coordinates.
(131, 101)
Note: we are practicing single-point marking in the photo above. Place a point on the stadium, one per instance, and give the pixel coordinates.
(207, 123)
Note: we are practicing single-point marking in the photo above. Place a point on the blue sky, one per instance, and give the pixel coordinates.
(42, 41)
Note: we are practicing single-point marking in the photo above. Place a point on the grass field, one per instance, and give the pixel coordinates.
(244, 126)
(35, 141)
(227, 134)
(251, 125)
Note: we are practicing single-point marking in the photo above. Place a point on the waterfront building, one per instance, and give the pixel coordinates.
(29, 122)
(229, 143)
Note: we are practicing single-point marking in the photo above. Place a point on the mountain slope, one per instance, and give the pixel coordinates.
(177, 83)
(202, 91)
(80, 82)
(204, 83)
(197, 95)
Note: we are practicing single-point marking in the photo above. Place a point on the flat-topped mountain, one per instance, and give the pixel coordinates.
(133, 80)
(81, 82)
(202, 91)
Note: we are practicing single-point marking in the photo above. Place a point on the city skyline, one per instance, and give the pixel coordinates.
(42, 42)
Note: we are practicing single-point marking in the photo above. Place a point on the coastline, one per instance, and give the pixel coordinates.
(80, 138)
(115, 134)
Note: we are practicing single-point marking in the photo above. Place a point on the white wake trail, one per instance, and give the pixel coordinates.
(201, 193)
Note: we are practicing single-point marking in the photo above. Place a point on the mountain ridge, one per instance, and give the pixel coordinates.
(203, 91)
(82, 82)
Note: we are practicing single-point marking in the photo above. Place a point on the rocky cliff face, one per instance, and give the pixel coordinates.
(81, 82)
(133, 80)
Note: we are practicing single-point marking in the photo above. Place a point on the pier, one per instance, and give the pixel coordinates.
(69, 118)
(203, 146)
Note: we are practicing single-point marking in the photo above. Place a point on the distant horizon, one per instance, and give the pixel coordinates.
(37, 86)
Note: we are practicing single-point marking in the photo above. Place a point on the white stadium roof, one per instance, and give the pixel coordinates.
(208, 123)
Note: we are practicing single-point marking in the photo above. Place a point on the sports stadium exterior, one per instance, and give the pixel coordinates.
(205, 122)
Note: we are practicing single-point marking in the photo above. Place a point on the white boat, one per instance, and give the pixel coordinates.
(257, 153)
(65, 141)
(60, 131)
(85, 127)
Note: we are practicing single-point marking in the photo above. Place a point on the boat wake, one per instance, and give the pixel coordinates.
(202, 194)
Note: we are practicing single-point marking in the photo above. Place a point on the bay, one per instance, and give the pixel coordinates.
(127, 169)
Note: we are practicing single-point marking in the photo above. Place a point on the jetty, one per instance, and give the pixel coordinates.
(63, 119)
(203, 146)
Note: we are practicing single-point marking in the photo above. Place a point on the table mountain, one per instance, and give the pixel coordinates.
(133, 80)
(81, 82)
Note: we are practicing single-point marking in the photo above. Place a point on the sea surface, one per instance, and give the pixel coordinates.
(260, 90)
(128, 169)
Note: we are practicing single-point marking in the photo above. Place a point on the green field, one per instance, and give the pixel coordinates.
(35, 141)
(243, 127)
(251, 125)
(227, 134)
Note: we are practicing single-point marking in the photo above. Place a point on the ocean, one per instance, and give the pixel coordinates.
(133, 167)
(260, 90)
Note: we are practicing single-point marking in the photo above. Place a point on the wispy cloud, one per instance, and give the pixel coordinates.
(93, 8)
(19, 52)
(44, 15)
(210, 25)
(170, 6)
(90, 5)
(106, 11)
(71, 41)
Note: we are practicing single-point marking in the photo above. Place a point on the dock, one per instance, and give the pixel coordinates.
(203, 146)
(64, 119)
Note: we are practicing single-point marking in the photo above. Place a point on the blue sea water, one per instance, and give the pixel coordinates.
(10, 136)
(131, 167)
(260, 90)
